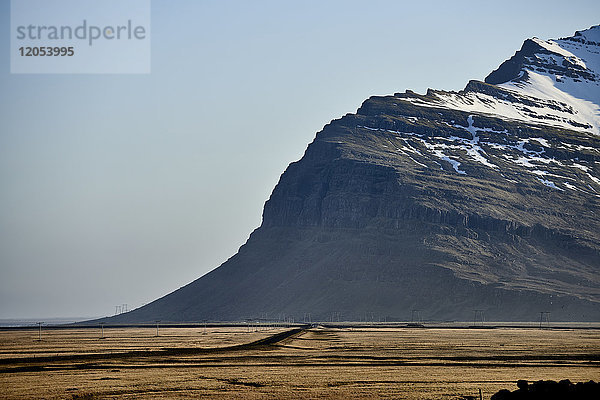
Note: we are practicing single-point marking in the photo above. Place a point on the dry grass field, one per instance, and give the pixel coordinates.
(316, 363)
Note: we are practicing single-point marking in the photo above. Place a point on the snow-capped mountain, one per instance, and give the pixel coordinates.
(553, 82)
(484, 199)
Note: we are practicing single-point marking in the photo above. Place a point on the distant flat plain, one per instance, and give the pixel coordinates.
(319, 362)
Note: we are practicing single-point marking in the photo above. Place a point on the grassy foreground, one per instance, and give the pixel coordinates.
(191, 363)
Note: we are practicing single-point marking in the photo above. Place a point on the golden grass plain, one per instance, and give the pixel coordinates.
(316, 363)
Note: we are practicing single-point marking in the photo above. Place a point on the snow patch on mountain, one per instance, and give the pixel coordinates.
(550, 184)
(584, 110)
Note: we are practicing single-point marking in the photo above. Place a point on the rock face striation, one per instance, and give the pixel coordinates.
(449, 202)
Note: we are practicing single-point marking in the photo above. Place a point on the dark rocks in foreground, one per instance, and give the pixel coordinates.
(550, 390)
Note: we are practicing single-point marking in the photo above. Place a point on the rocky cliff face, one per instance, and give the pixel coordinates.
(485, 199)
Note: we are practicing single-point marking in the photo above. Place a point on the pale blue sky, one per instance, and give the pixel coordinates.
(121, 188)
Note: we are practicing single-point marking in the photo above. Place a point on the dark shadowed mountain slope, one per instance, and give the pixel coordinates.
(485, 199)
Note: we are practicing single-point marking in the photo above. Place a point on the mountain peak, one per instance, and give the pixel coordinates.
(575, 57)
(547, 82)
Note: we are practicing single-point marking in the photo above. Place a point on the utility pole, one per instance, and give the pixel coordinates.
(102, 330)
(544, 317)
(40, 331)
(415, 317)
(478, 313)
(157, 322)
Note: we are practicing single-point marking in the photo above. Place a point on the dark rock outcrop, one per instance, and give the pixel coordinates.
(551, 390)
